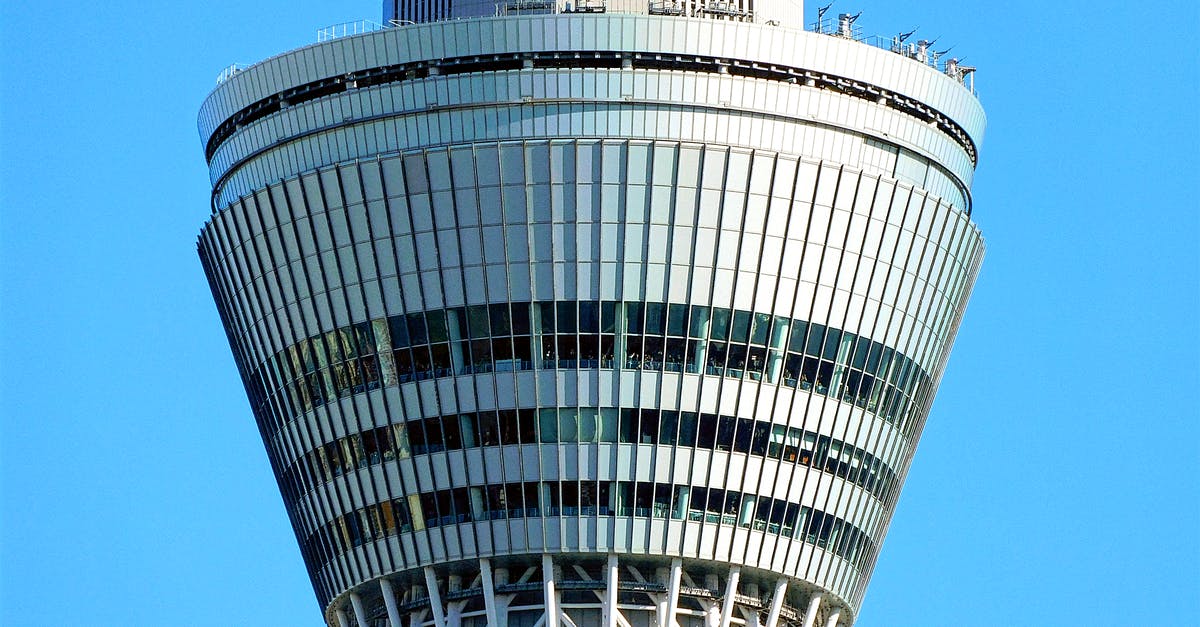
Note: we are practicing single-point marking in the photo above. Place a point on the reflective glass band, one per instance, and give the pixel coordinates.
(509, 337)
(532, 499)
(588, 425)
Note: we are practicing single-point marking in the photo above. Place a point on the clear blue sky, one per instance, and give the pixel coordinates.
(1058, 481)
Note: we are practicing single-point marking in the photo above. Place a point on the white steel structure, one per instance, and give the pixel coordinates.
(592, 313)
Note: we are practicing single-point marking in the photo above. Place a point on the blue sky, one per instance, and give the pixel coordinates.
(1057, 481)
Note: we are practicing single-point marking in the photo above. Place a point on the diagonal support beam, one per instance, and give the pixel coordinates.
(777, 602)
(673, 591)
(810, 616)
(489, 591)
(360, 613)
(389, 601)
(730, 592)
(833, 618)
(551, 594)
(435, 598)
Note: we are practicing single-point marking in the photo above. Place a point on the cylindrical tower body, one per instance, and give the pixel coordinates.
(591, 318)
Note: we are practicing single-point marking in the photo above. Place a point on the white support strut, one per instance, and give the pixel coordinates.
(360, 613)
(435, 598)
(551, 595)
(489, 592)
(610, 592)
(810, 616)
(389, 601)
(777, 602)
(730, 593)
(673, 591)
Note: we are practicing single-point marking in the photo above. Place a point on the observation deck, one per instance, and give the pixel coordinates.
(556, 312)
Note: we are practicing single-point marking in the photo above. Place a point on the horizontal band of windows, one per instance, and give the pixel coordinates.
(572, 425)
(593, 60)
(534, 499)
(508, 337)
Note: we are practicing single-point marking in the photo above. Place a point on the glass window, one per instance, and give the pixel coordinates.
(741, 327)
(629, 425)
(656, 318)
(589, 317)
(477, 321)
(668, 427)
(416, 438)
(608, 424)
(745, 433)
(548, 421)
(676, 320)
(796, 341)
(719, 330)
(858, 356)
(466, 426)
(688, 425)
(501, 324)
(833, 339)
(588, 427)
(487, 165)
(527, 425)
(489, 434)
(520, 318)
(648, 426)
(699, 321)
(726, 427)
(416, 329)
(508, 426)
(707, 432)
(761, 330)
(568, 425)
(633, 318)
(512, 164)
(566, 316)
(816, 336)
(608, 316)
(543, 321)
(451, 433)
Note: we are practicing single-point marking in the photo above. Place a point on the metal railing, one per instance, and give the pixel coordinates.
(231, 71)
(346, 29)
(921, 51)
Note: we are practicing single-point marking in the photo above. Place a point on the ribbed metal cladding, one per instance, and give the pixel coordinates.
(562, 330)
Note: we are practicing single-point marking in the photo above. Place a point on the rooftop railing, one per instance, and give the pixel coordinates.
(346, 29)
(921, 51)
(230, 71)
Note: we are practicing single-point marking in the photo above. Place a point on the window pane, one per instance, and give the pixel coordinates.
(501, 325)
(676, 320)
(656, 318)
(719, 329)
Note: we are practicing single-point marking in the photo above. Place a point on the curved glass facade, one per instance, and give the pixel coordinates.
(587, 318)
(654, 337)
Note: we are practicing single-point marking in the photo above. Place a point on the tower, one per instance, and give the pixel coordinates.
(592, 312)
